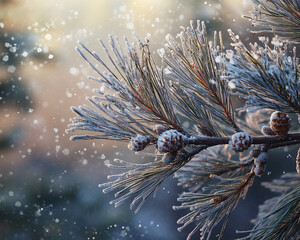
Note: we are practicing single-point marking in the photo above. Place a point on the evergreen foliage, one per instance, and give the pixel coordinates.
(198, 77)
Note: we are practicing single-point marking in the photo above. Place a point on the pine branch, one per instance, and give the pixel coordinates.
(265, 77)
(279, 217)
(216, 161)
(140, 96)
(270, 140)
(142, 105)
(253, 122)
(208, 209)
(139, 181)
(196, 79)
(278, 16)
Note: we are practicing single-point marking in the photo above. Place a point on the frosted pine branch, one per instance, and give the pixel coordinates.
(212, 141)
(279, 16)
(139, 181)
(216, 160)
(143, 104)
(140, 97)
(196, 84)
(208, 209)
(265, 77)
(278, 217)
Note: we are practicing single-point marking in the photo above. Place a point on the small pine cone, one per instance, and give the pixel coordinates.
(169, 157)
(159, 129)
(267, 131)
(261, 159)
(139, 142)
(259, 169)
(298, 161)
(170, 141)
(280, 123)
(255, 152)
(240, 141)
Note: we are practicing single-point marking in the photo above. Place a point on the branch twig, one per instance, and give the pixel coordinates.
(275, 141)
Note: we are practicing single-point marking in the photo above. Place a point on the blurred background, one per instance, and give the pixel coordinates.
(48, 184)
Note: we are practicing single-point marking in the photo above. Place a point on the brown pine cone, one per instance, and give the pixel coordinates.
(280, 123)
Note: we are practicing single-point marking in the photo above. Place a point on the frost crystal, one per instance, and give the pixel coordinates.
(231, 84)
(5, 58)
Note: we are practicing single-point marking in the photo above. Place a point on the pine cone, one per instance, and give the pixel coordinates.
(280, 123)
(240, 141)
(255, 152)
(267, 131)
(170, 141)
(260, 164)
(259, 169)
(139, 142)
(261, 159)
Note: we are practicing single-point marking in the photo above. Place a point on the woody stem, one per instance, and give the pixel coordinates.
(212, 141)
